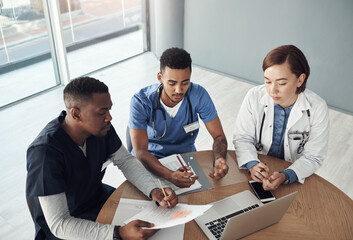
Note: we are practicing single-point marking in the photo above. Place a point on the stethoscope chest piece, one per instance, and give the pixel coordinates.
(259, 147)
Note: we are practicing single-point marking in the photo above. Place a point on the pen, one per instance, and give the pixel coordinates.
(181, 163)
(165, 195)
(263, 169)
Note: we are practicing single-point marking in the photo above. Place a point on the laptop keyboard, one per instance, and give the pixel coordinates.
(217, 226)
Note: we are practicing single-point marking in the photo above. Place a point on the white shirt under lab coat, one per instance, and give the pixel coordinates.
(248, 124)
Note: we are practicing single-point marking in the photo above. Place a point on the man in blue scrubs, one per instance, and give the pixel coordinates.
(164, 120)
(66, 164)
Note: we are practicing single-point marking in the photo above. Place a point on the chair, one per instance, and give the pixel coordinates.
(128, 139)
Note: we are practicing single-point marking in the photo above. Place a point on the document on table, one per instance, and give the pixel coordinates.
(128, 208)
(169, 217)
(173, 164)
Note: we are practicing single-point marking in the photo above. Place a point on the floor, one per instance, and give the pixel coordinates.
(21, 123)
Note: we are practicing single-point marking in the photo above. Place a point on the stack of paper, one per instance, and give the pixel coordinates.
(171, 221)
(169, 217)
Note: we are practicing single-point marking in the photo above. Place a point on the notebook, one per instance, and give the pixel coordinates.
(173, 164)
(241, 214)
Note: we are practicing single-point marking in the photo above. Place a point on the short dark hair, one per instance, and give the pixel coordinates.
(175, 58)
(79, 91)
(295, 58)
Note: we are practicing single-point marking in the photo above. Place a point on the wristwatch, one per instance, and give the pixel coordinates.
(287, 177)
(116, 235)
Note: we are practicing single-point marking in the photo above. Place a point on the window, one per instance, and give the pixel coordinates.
(94, 33)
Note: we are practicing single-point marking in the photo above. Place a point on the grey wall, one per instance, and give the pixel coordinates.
(233, 37)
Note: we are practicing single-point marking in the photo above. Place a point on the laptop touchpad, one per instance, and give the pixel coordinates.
(224, 208)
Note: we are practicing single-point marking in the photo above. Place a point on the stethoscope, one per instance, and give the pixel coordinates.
(303, 136)
(160, 88)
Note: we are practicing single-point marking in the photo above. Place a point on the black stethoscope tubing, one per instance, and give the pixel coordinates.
(259, 146)
(160, 88)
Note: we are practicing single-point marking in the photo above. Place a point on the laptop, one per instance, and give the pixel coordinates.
(241, 214)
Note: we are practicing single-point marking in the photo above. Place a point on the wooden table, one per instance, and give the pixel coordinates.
(319, 211)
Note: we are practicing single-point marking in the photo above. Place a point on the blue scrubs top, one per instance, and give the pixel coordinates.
(175, 140)
(55, 164)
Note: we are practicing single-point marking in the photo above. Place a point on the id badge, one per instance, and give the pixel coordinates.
(105, 165)
(191, 127)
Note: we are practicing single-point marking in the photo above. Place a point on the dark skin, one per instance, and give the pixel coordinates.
(220, 168)
(134, 230)
(93, 118)
(158, 196)
(175, 84)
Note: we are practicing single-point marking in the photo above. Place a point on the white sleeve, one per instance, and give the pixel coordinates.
(63, 225)
(244, 136)
(133, 170)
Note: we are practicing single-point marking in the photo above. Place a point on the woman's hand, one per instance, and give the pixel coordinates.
(259, 172)
(273, 182)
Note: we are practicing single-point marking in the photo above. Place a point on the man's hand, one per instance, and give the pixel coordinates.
(183, 178)
(134, 231)
(220, 169)
(158, 196)
(259, 172)
(273, 182)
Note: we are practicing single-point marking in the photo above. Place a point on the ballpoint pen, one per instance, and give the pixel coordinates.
(165, 195)
(181, 163)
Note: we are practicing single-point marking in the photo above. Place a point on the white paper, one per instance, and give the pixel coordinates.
(127, 208)
(169, 217)
(173, 164)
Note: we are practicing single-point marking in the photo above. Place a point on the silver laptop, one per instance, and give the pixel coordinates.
(241, 214)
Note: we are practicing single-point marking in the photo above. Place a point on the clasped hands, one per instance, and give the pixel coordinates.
(261, 173)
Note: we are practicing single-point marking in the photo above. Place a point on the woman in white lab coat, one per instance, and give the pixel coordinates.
(282, 119)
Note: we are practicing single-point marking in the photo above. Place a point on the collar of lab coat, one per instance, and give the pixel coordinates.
(299, 107)
(301, 104)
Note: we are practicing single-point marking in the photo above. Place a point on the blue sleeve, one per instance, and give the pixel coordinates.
(291, 175)
(138, 114)
(251, 164)
(206, 108)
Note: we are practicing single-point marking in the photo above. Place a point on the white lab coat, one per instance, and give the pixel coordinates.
(248, 124)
